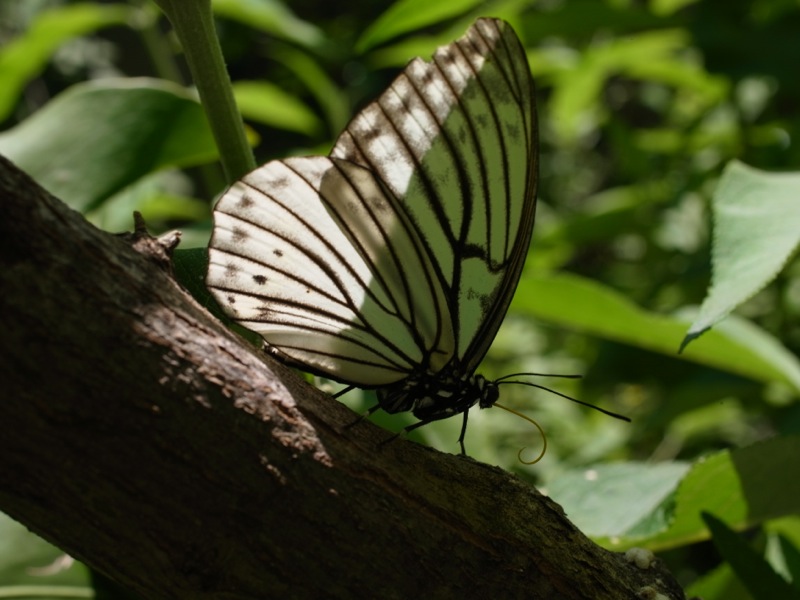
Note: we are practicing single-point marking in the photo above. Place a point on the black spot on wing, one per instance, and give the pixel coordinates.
(281, 183)
(260, 279)
(245, 202)
(515, 134)
(239, 235)
(370, 135)
(428, 78)
(446, 58)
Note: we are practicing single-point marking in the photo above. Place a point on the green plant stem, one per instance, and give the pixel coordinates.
(194, 23)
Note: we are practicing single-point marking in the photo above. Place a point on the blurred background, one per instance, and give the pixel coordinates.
(641, 107)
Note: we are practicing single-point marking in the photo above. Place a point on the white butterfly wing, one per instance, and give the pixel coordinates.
(401, 251)
(312, 254)
(456, 138)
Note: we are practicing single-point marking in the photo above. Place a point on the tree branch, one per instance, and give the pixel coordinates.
(146, 440)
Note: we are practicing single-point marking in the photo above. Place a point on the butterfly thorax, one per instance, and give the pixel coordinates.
(434, 396)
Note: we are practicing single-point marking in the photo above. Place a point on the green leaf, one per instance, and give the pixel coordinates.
(96, 138)
(756, 229)
(332, 100)
(791, 559)
(159, 197)
(24, 57)
(404, 50)
(580, 304)
(669, 7)
(32, 568)
(618, 500)
(272, 17)
(268, 104)
(653, 55)
(410, 15)
(745, 487)
(719, 584)
(749, 566)
(576, 102)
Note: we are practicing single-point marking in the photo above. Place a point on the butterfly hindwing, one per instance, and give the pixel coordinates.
(308, 253)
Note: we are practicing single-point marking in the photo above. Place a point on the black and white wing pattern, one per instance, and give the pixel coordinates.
(391, 263)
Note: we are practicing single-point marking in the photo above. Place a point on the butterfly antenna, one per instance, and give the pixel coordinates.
(504, 380)
(561, 375)
(539, 427)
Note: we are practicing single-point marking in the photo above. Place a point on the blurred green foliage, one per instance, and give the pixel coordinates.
(641, 105)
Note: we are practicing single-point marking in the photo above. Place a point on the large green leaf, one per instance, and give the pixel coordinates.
(744, 487)
(659, 506)
(97, 138)
(756, 229)
(739, 347)
(618, 500)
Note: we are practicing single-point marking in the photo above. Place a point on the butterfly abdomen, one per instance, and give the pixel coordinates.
(435, 396)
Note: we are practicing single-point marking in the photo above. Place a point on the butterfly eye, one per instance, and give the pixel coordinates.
(390, 263)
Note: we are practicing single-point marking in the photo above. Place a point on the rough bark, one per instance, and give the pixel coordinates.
(145, 439)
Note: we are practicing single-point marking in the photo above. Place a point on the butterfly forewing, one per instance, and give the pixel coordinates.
(399, 253)
(505, 213)
(456, 138)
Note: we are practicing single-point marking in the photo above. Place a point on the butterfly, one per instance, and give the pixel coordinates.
(390, 263)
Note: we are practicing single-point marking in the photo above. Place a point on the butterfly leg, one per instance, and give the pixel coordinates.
(414, 426)
(340, 393)
(403, 432)
(463, 433)
(363, 416)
